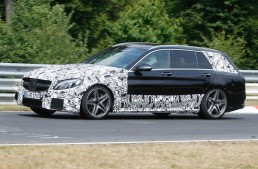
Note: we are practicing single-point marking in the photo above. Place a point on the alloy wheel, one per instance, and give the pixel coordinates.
(98, 102)
(216, 103)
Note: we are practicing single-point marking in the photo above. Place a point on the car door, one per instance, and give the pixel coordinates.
(157, 81)
(191, 72)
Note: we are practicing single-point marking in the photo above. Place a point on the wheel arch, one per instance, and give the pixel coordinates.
(216, 87)
(102, 85)
(228, 83)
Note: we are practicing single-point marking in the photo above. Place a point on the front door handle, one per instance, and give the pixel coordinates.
(166, 74)
(205, 74)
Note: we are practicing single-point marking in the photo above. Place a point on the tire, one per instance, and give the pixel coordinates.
(214, 104)
(161, 114)
(43, 112)
(96, 103)
(200, 115)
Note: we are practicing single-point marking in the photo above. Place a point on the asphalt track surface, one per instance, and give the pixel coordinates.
(29, 128)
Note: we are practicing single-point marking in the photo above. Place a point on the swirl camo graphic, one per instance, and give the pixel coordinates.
(219, 62)
(162, 103)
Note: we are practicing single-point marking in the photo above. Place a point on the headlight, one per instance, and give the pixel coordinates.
(66, 84)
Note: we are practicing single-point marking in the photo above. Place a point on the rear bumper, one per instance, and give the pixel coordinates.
(236, 101)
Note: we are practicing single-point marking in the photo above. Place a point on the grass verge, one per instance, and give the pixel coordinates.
(217, 155)
(13, 107)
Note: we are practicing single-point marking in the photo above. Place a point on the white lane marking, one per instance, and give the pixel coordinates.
(132, 142)
(140, 122)
(46, 136)
(246, 110)
(14, 131)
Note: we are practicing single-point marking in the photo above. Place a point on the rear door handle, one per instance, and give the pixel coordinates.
(205, 74)
(166, 74)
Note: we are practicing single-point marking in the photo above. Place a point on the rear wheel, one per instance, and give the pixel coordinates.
(214, 104)
(43, 112)
(96, 103)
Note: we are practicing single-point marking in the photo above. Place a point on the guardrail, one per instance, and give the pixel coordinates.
(251, 76)
(17, 69)
(10, 77)
(11, 73)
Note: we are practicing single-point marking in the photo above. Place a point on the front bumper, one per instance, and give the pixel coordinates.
(61, 100)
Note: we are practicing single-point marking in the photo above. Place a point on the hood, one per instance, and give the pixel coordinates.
(62, 72)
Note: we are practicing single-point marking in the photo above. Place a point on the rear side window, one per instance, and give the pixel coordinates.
(184, 59)
(203, 63)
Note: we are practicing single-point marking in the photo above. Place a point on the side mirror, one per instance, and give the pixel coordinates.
(144, 67)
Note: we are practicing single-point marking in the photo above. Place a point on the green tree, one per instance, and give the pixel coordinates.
(146, 21)
(234, 17)
(232, 45)
(38, 33)
(91, 17)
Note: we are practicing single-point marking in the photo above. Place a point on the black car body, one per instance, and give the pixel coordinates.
(160, 79)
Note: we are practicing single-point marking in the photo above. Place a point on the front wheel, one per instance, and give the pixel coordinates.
(214, 104)
(42, 112)
(96, 103)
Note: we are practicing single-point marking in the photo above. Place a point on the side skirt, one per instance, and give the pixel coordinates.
(159, 103)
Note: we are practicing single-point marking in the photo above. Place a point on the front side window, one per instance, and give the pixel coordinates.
(157, 60)
(184, 59)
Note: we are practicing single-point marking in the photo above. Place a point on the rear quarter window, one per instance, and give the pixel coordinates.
(219, 62)
(203, 63)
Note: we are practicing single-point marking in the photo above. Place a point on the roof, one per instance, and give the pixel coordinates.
(145, 45)
(151, 46)
(184, 47)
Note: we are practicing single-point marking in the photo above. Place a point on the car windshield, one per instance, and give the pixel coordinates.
(118, 56)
